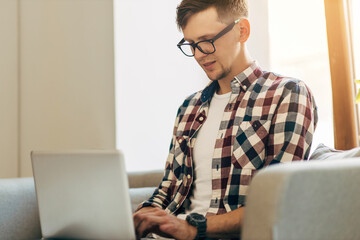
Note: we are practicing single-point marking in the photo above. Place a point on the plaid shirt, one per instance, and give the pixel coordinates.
(269, 119)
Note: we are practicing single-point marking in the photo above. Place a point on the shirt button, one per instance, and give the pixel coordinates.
(201, 119)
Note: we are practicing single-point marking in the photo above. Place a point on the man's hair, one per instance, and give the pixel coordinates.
(228, 10)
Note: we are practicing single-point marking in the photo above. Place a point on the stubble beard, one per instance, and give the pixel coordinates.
(223, 74)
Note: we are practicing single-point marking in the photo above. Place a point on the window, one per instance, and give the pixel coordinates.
(354, 6)
(355, 27)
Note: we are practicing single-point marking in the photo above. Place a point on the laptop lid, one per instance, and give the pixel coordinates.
(83, 194)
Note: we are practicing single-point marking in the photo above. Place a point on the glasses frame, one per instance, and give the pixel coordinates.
(196, 45)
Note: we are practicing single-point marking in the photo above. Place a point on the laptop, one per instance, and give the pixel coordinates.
(83, 194)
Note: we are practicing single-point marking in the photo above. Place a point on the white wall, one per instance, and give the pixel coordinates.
(153, 77)
(8, 88)
(259, 40)
(63, 96)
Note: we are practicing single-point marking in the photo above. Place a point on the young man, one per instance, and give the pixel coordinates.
(244, 120)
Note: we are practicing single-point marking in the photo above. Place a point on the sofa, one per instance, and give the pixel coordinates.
(19, 217)
(316, 199)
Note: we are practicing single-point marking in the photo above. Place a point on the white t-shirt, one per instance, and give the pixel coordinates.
(203, 154)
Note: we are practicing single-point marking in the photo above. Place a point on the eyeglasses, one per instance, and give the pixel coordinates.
(206, 46)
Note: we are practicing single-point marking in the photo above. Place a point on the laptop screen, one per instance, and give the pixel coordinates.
(83, 194)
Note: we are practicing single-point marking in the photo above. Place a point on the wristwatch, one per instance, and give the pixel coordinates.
(198, 221)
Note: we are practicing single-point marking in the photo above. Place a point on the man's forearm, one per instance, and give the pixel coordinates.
(227, 225)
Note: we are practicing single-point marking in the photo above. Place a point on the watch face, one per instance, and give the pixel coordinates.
(197, 216)
(195, 219)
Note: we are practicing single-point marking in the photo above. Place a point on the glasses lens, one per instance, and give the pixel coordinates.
(187, 49)
(206, 47)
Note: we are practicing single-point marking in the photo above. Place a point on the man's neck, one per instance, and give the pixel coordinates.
(243, 63)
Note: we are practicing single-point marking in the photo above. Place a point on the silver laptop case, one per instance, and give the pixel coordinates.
(83, 195)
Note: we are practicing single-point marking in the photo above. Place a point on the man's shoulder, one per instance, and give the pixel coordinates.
(283, 84)
(192, 100)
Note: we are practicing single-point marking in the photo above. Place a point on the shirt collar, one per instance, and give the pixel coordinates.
(246, 78)
(209, 91)
(242, 80)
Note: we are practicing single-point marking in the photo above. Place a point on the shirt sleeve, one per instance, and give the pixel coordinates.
(162, 195)
(293, 124)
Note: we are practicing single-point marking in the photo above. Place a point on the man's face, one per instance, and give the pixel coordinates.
(205, 25)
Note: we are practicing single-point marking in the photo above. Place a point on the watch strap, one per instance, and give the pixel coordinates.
(199, 221)
(201, 231)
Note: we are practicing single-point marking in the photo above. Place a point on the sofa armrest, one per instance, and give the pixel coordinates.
(145, 178)
(19, 216)
(304, 200)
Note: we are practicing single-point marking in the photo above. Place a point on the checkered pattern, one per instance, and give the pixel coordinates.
(269, 119)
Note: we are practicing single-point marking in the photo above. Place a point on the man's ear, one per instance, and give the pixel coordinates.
(244, 29)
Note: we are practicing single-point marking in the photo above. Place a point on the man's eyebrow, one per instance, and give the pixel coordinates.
(202, 38)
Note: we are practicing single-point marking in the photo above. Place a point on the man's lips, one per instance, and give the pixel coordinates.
(209, 65)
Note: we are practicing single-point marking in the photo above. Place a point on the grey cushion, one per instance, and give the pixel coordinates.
(304, 200)
(19, 217)
(323, 152)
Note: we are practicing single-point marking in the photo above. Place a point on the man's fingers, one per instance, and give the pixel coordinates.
(139, 216)
(149, 222)
(159, 222)
(143, 225)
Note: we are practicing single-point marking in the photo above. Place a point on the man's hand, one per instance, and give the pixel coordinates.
(156, 220)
